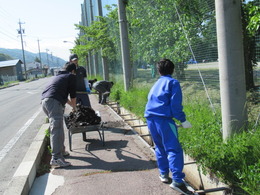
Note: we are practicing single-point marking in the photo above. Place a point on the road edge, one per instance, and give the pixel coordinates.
(25, 174)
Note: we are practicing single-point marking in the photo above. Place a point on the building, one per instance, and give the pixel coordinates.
(34, 69)
(12, 68)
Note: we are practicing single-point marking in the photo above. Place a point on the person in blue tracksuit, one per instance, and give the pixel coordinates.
(164, 104)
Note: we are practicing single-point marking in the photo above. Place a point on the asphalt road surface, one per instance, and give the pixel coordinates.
(21, 118)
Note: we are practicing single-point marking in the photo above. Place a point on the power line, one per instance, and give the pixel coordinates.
(8, 35)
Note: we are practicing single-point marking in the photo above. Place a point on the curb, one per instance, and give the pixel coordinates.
(9, 86)
(194, 175)
(24, 176)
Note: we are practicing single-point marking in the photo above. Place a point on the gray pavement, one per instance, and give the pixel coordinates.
(125, 165)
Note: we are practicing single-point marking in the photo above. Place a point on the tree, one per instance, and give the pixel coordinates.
(171, 29)
(37, 60)
(4, 57)
(251, 23)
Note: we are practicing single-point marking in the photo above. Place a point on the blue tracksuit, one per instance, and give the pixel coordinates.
(164, 104)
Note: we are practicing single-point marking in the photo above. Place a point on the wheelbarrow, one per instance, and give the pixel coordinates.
(84, 129)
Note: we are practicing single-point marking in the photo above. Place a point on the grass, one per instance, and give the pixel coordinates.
(236, 161)
(7, 84)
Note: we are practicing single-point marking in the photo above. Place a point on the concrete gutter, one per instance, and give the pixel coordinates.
(24, 176)
(194, 175)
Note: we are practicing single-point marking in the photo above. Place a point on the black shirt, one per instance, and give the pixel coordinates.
(81, 74)
(60, 87)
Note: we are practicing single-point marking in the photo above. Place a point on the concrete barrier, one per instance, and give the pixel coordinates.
(25, 174)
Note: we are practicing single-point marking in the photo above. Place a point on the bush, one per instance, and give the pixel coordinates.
(236, 162)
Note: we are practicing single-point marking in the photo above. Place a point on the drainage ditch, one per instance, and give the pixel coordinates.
(206, 184)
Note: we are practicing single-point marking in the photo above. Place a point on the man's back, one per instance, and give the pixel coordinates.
(60, 86)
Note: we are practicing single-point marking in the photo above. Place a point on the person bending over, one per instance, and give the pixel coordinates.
(103, 88)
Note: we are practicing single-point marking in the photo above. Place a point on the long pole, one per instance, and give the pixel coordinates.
(95, 57)
(21, 31)
(39, 53)
(104, 59)
(124, 44)
(231, 66)
(47, 57)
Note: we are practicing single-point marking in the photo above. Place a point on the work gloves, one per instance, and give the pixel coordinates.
(186, 124)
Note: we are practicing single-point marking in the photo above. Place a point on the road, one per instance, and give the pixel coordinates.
(21, 118)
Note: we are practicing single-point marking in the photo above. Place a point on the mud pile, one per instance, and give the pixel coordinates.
(84, 116)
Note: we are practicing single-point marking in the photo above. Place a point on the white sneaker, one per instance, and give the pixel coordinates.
(59, 163)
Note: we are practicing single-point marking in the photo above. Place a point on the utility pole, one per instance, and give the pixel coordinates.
(52, 58)
(95, 56)
(124, 43)
(231, 66)
(104, 59)
(39, 52)
(21, 32)
(47, 57)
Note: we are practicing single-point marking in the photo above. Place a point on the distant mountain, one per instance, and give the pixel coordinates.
(30, 57)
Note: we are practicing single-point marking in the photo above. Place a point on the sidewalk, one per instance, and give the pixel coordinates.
(125, 165)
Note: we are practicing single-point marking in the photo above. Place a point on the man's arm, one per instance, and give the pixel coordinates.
(72, 103)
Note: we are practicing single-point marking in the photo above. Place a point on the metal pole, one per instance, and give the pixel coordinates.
(124, 43)
(104, 59)
(231, 66)
(95, 57)
(47, 57)
(21, 31)
(39, 52)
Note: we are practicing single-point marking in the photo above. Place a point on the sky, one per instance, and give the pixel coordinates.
(49, 21)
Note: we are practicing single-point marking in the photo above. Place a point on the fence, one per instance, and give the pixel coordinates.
(178, 30)
(6, 79)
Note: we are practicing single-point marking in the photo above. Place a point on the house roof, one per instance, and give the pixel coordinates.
(10, 63)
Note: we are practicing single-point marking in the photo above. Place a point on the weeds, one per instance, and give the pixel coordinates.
(236, 162)
(44, 166)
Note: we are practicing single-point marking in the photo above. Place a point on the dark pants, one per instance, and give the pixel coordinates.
(83, 99)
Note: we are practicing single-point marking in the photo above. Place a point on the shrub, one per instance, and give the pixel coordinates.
(236, 162)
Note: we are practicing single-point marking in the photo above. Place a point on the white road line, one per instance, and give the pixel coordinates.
(12, 142)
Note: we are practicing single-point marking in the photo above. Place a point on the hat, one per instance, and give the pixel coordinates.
(73, 57)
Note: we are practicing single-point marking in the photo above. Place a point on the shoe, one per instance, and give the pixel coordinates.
(65, 153)
(180, 187)
(59, 163)
(164, 178)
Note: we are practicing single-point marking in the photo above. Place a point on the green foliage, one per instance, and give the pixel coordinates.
(6, 84)
(5, 57)
(47, 133)
(235, 162)
(37, 60)
(157, 31)
(252, 17)
(97, 36)
(133, 100)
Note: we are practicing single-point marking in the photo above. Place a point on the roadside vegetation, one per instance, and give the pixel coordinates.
(7, 84)
(162, 30)
(236, 162)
